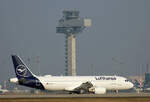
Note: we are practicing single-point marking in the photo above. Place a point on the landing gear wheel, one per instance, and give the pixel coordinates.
(116, 91)
(82, 91)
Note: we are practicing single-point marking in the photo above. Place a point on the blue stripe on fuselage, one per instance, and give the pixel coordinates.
(31, 82)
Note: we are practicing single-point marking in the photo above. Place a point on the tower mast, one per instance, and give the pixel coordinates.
(71, 25)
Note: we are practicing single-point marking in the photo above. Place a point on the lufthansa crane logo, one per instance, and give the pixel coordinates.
(21, 70)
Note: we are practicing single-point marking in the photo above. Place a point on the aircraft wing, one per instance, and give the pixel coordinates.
(80, 87)
(84, 86)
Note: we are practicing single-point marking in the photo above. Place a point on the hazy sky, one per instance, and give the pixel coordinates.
(118, 42)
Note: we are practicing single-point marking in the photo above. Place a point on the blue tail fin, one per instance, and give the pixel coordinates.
(25, 76)
(21, 69)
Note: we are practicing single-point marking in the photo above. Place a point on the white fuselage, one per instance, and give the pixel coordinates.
(70, 82)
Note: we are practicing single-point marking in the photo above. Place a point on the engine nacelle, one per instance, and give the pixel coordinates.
(99, 90)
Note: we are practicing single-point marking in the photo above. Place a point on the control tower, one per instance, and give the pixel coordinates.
(71, 25)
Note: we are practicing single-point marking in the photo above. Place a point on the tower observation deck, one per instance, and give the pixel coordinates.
(71, 25)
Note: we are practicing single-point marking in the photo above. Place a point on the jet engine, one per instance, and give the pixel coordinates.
(99, 90)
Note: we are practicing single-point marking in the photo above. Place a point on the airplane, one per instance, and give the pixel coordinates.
(3, 90)
(71, 84)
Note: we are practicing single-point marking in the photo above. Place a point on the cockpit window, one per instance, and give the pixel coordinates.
(126, 80)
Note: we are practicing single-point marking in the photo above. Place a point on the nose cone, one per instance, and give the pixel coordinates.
(131, 85)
